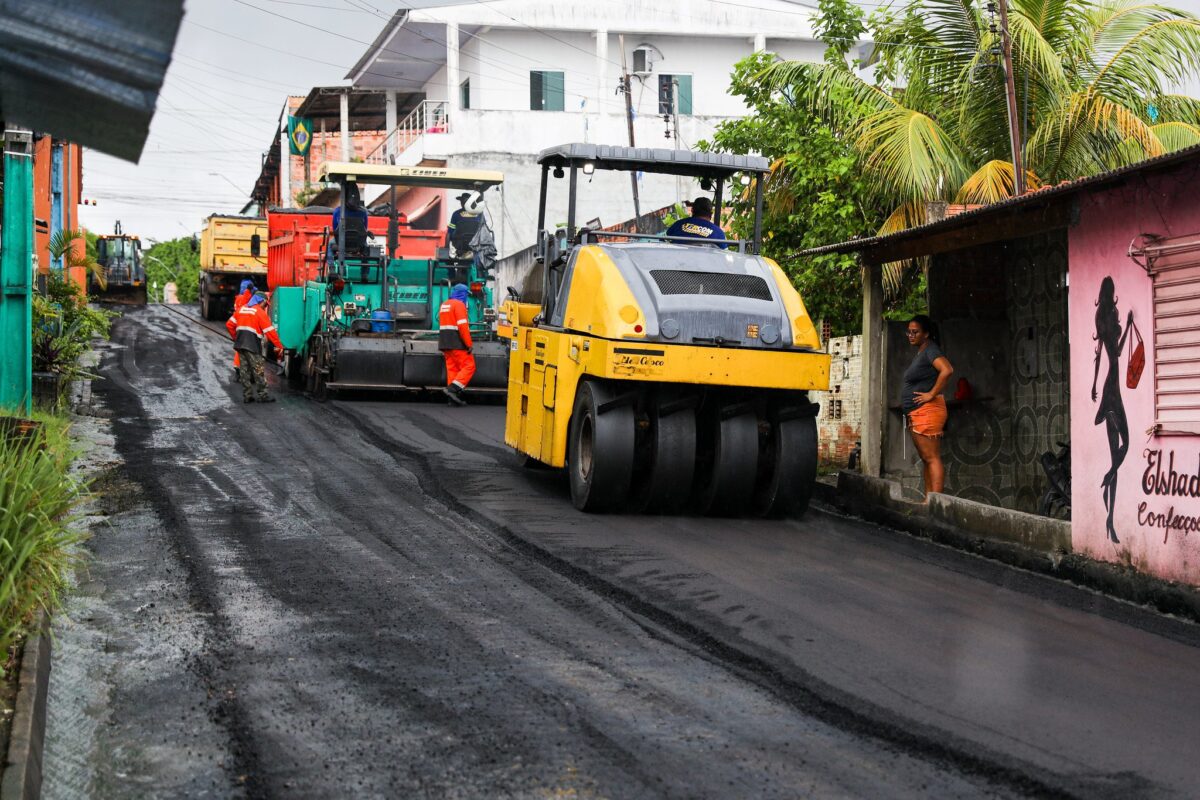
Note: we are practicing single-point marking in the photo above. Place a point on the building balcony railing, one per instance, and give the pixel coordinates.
(430, 116)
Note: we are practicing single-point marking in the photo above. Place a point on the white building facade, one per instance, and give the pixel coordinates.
(489, 85)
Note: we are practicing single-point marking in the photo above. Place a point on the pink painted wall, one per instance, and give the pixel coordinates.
(1166, 204)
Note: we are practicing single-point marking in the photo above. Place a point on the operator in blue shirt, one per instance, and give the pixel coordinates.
(699, 225)
(352, 203)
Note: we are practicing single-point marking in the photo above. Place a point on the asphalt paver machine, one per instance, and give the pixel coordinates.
(665, 374)
(368, 319)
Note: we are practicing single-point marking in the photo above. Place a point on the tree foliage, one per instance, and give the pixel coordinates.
(1094, 91)
(814, 194)
(175, 261)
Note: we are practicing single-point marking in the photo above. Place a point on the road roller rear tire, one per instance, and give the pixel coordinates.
(788, 465)
(600, 449)
(664, 485)
(726, 488)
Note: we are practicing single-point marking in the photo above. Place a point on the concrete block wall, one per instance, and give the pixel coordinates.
(840, 419)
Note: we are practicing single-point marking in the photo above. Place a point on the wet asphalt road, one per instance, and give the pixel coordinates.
(373, 599)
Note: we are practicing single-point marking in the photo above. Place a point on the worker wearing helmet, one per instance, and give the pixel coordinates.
(454, 340)
(245, 292)
(464, 223)
(249, 326)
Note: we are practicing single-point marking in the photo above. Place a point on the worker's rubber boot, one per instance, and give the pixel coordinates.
(454, 393)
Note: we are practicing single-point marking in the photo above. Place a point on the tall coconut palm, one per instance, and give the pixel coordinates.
(1094, 91)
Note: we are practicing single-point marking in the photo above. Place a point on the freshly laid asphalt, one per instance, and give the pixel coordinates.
(366, 598)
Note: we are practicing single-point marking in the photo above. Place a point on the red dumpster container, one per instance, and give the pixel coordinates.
(296, 240)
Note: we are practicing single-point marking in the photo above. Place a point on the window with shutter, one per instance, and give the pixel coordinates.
(1174, 267)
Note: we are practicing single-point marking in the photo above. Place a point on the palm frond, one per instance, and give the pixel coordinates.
(903, 217)
(992, 183)
(835, 95)
(1175, 108)
(1176, 135)
(1138, 49)
(907, 154)
(1080, 136)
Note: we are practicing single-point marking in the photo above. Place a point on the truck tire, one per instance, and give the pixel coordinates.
(208, 306)
(600, 449)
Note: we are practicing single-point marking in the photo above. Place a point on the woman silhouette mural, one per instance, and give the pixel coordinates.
(1110, 338)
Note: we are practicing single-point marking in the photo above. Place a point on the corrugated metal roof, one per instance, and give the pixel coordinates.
(86, 70)
(981, 215)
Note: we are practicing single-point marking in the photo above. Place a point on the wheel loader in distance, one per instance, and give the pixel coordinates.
(665, 374)
(120, 255)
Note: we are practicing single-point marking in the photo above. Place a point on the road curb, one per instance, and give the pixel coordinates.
(1041, 546)
(22, 779)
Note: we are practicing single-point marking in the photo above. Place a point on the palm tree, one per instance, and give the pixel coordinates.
(1094, 91)
(62, 245)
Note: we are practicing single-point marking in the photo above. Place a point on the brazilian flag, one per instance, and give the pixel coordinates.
(299, 135)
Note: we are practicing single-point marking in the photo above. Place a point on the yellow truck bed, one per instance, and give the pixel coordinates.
(225, 244)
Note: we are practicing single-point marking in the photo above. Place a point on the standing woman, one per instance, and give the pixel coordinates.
(1110, 339)
(922, 401)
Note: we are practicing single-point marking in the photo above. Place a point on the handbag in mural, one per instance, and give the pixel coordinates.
(1137, 359)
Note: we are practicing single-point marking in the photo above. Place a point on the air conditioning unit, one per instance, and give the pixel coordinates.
(644, 57)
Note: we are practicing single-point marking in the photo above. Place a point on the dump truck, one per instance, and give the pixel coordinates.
(665, 374)
(367, 320)
(231, 250)
(120, 254)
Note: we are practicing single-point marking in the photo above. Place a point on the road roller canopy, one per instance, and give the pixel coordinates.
(432, 177)
(712, 170)
(650, 159)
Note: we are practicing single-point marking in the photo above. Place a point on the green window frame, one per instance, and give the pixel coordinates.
(546, 90)
(666, 94)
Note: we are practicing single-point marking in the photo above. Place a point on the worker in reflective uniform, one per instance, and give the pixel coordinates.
(454, 340)
(248, 327)
(245, 292)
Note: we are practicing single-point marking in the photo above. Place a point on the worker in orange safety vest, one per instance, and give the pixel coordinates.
(245, 292)
(248, 327)
(454, 340)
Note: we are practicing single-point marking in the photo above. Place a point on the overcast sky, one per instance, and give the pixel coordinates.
(234, 62)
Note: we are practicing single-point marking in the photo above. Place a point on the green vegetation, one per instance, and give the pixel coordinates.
(175, 260)
(1093, 83)
(816, 193)
(37, 494)
(62, 245)
(63, 328)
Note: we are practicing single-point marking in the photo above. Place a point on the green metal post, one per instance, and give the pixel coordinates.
(16, 269)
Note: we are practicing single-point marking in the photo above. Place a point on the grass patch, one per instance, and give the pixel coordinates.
(37, 493)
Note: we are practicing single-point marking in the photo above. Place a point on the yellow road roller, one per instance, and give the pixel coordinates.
(665, 373)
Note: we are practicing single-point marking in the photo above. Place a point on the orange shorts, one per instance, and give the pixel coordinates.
(929, 419)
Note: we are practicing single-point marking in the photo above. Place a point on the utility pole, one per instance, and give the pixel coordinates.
(1010, 90)
(16, 267)
(626, 81)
